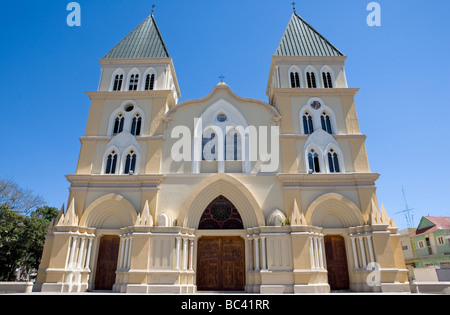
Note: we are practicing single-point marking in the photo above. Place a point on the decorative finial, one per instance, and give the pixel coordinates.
(153, 9)
(221, 77)
(293, 5)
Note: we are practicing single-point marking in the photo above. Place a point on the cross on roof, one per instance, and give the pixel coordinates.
(221, 77)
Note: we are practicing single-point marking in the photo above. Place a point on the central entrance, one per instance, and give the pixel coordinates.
(221, 259)
(221, 264)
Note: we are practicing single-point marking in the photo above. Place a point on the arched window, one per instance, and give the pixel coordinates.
(333, 162)
(134, 82)
(209, 149)
(136, 125)
(118, 81)
(233, 146)
(313, 160)
(118, 124)
(150, 82)
(221, 214)
(130, 163)
(311, 79)
(326, 123)
(308, 127)
(327, 82)
(111, 163)
(295, 79)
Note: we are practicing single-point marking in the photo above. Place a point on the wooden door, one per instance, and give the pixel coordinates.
(337, 266)
(221, 264)
(108, 255)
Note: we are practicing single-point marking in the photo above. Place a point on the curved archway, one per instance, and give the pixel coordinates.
(221, 214)
(334, 211)
(221, 185)
(111, 211)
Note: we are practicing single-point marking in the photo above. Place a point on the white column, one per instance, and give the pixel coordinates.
(185, 253)
(251, 255)
(263, 253)
(191, 255)
(125, 254)
(88, 256)
(316, 252)
(355, 253)
(363, 251)
(311, 252)
(72, 251)
(122, 249)
(178, 248)
(130, 247)
(369, 242)
(81, 254)
(256, 254)
(320, 253)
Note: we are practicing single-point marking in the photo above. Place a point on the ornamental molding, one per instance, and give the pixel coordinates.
(321, 178)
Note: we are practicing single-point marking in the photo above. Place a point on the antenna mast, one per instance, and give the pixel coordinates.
(407, 212)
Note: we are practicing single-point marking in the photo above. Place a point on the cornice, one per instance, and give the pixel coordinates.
(315, 92)
(321, 178)
(130, 94)
(122, 179)
(136, 61)
(108, 139)
(350, 137)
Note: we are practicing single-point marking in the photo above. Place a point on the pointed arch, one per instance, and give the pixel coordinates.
(327, 77)
(334, 211)
(117, 80)
(222, 116)
(109, 211)
(295, 77)
(322, 143)
(221, 185)
(134, 77)
(149, 80)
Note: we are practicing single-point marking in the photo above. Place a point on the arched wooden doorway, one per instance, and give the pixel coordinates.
(337, 266)
(221, 259)
(108, 255)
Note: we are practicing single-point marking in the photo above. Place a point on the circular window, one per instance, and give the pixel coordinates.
(222, 117)
(129, 108)
(316, 105)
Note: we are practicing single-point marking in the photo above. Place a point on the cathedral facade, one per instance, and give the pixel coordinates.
(223, 193)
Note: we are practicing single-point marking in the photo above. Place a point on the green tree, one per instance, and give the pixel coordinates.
(22, 239)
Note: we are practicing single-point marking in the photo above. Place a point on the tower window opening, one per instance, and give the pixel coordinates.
(311, 79)
(326, 123)
(150, 82)
(118, 124)
(130, 163)
(307, 124)
(313, 159)
(333, 162)
(111, 163)
(118, 81)
(327, 82)
(134, 82)
(295, 80)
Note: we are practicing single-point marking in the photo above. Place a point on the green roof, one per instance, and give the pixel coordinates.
(301, 39)
(145, 41)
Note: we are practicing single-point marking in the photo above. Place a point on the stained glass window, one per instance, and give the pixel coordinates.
(221, 214)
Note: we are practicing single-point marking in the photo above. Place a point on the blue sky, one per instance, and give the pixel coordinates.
(401, 68)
